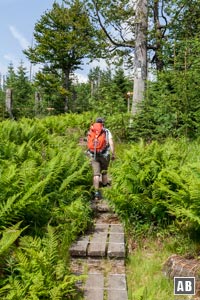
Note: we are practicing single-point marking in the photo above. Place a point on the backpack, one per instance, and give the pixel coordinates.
(97, 139)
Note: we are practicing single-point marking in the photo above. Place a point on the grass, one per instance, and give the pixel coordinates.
(145, 278)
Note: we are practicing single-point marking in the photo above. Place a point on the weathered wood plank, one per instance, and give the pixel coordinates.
(117, 289)
(79, 248)
(116, 246)
(116, 250)
(94, 295)
(117, 295)
(94, 287)
(101, 228)
(116, 228)
(116, 238)
(97, 246)
(117, 281)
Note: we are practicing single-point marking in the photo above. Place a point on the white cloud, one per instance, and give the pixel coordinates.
(81, 77)
(16, 61)
(9, 57)
(19, 37)
(3, 69)
(98, 63)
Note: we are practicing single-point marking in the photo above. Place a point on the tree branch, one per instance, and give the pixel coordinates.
(114, 42)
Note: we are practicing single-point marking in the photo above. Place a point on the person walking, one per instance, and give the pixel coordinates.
(101, 151)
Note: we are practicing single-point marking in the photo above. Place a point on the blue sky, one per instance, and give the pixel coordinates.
(17, 20)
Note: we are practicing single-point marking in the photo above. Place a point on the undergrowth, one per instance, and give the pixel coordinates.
(145, 263)
(156, 192)
(45, 205)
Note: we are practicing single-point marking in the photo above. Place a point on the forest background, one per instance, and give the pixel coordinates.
(45, 196)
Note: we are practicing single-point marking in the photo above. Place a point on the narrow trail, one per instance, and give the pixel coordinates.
(100, 255)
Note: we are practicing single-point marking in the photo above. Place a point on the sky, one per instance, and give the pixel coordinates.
(17, 21)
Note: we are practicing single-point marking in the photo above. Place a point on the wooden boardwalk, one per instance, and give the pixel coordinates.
(100, 255)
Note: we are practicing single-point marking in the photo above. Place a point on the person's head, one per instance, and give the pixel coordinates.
(100, 120)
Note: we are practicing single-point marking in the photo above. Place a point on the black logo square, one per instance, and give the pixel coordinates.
(184, 285)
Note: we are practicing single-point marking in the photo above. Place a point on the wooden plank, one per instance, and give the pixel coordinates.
(94, 295)
(116, 295)
(94, 287)
(97, 246)
(117, 281)
(116, 246)
(101, 228)
(117, 289)
(116, 250)
(116, 228)
(116, 238)
(79, 248)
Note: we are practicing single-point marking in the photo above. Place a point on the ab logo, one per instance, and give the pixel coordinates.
(184, 285)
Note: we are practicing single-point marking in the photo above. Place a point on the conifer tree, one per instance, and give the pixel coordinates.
(22, 91)
(63, 38)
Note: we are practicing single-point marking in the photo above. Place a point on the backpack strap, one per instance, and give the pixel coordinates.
(107, 136)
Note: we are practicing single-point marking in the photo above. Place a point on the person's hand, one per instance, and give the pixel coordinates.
(113, 157)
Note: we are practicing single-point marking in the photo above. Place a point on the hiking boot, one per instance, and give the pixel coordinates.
(97, 195)
(106, 185)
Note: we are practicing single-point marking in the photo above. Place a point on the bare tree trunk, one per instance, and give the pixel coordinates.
(66, 86)
(37, 102)
(140, 62)
(9, 102)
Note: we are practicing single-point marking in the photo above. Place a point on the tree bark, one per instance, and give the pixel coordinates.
(140, 60)
(9, 102)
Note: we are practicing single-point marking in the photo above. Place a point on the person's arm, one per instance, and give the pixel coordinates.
(112, 148)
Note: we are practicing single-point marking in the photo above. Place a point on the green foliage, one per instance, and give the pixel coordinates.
(38, 271)
(171, 108)
(44, 205)
(116, 28)
(9, 236)
(36, 170)
(2, 106)
(22, 92)
(147, 261)
(64, 36)
(157, 184)
(109, 92)
(45, 190)
(81, 96)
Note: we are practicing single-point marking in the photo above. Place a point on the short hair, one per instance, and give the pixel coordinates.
(100, 120)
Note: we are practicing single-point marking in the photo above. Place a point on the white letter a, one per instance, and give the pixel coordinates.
(180, 287)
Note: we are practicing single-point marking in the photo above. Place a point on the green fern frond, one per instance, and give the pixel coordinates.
(74, 177)
(8, 175)
(8, 213)
(184, 213)
(67, 286)
(51, 245)
(12, 291)
(9, 236)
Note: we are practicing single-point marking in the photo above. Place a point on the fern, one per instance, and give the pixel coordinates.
(7, 214)
(41, 184)
(39, 271)
(9, 236)
(151, 183)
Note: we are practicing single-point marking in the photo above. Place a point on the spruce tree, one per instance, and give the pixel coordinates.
(22, 91)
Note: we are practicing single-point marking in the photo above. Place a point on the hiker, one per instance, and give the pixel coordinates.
(101, 150)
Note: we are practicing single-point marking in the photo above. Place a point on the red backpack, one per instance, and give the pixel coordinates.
(97, 138)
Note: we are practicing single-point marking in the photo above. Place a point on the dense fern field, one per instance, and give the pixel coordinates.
(44, 204)
(157, 185)
(46, 184)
